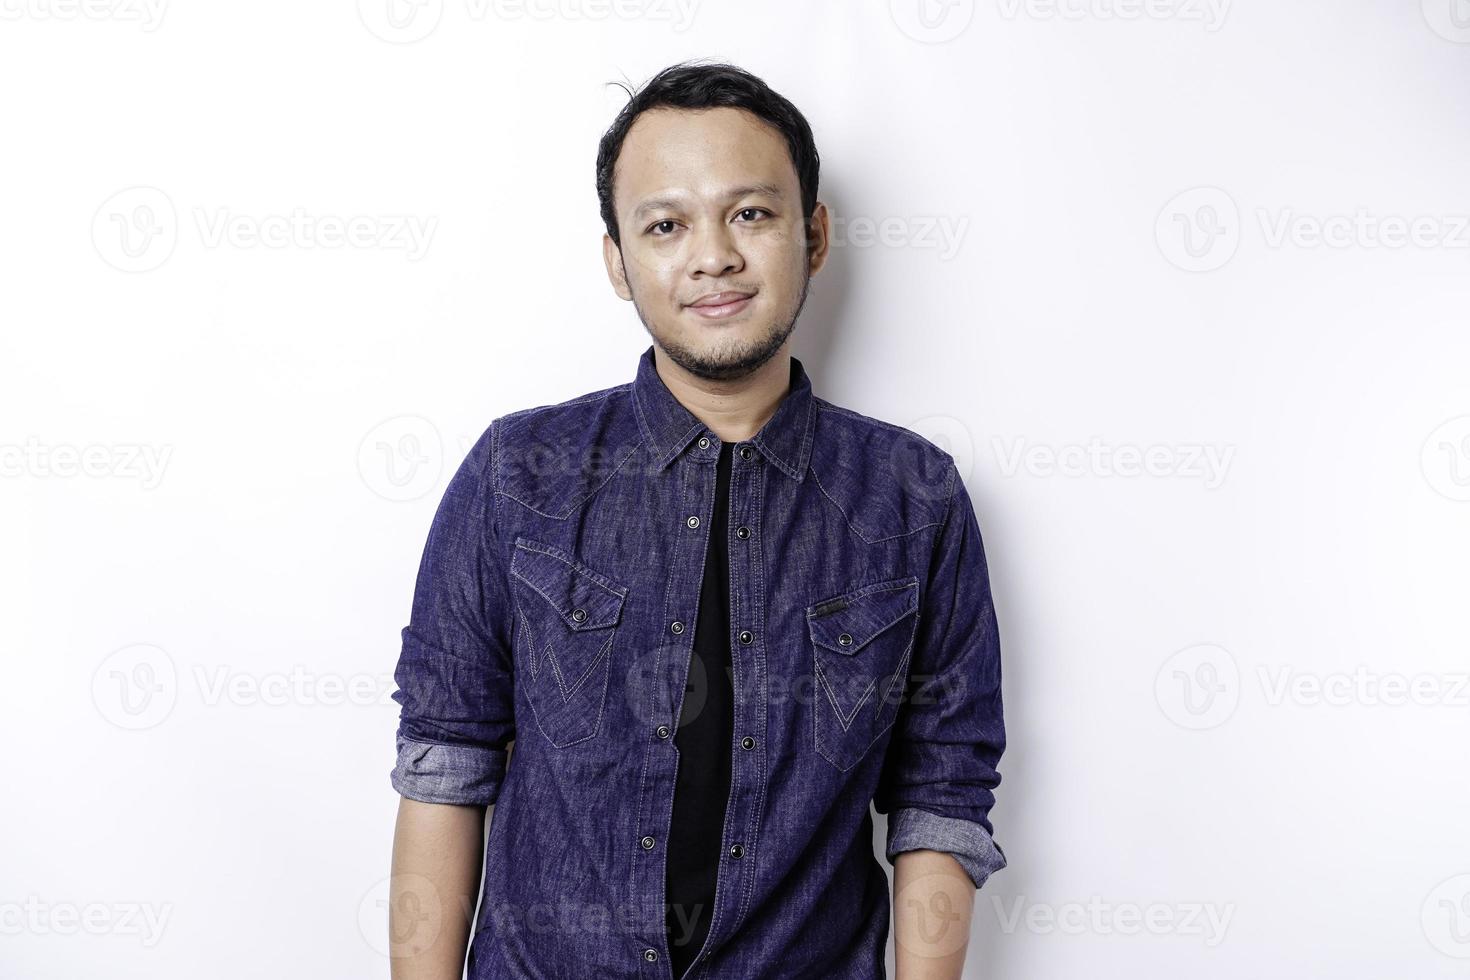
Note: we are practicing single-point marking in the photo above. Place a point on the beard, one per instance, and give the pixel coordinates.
(737, 359)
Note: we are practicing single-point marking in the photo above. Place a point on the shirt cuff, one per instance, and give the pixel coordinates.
(465, 775)
(911, 829)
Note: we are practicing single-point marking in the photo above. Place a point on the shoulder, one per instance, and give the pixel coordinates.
(887, 478)
(549, 456)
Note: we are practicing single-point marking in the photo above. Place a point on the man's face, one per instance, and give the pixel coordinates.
(708, 203)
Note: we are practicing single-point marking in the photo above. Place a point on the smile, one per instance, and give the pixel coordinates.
(722, 310)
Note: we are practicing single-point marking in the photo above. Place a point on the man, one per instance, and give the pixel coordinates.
(717, 615)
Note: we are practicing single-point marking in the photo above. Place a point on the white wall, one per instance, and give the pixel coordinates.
(1236, 684)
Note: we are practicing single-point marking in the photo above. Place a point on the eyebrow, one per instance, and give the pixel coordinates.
(734, 194)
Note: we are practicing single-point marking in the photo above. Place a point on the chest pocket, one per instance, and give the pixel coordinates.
(861, 645)
(569, 617)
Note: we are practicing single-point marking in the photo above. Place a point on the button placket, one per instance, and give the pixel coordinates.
(749, 709)
(693, 496)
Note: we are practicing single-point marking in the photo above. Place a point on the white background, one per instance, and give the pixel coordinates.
(1236, 691)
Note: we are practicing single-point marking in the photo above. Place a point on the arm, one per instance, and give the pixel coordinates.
(437, 852)
(939, 776)
(932, 902)
(456, 727)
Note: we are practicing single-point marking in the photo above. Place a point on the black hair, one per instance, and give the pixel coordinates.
(696, 85)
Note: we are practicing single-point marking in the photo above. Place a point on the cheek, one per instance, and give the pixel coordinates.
(651, 272)
(654, 268)
(778, 262)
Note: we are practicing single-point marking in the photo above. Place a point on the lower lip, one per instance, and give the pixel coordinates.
(724, 310)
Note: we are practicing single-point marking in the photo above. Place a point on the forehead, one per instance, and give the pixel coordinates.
(701, 152)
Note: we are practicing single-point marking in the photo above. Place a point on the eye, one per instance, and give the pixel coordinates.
(755, 210)
(660, 224)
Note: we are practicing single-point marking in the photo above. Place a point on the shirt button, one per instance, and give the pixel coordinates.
(746, 636)
(580, 615)
(736, 850)
(663, 731)
(746, 452)
(647, 843)
(650, 955)
(676, 626)
(747, 742)
(742, 531)
(693, 521)
(845, 639)
(703, 442)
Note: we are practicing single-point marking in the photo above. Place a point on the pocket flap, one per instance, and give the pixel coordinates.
(846, 623)
(584, 599)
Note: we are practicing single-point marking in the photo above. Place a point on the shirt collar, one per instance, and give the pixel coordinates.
(668, 427)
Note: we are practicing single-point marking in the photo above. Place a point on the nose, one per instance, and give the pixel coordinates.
(715, 253)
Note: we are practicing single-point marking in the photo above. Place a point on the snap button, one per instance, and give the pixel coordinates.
(703, 442)
(647, 843)
(650, 955)
(693, 521)
(677, 626)
(746, 452)
(742, 531)
(747, 742)
(736, 850)
(845, 639)
(580, 615)
(746, 636)
(663, 731)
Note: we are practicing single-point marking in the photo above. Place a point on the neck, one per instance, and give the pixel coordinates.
(734, 410)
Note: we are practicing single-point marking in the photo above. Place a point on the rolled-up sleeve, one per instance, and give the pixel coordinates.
(455, 685)
(939, 776)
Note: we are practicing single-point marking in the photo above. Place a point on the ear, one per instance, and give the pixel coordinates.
(818, 238)
(612, 257)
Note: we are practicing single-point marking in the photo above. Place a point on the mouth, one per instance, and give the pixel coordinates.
(720, 306)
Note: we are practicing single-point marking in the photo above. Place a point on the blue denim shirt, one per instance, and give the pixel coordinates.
(555, 606)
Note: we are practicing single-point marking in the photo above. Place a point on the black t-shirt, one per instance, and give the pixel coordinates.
(706, 730)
